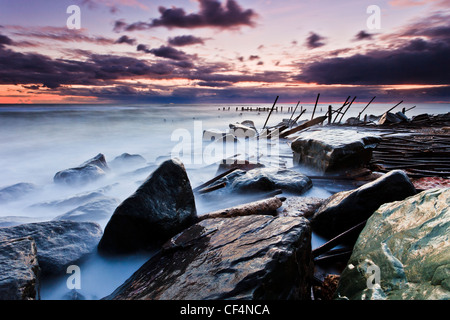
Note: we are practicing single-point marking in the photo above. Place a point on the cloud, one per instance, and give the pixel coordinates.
(363, 35)
(416, 62)
(4, 40)
(126, 39)
(212, 13)
(185, 40)
(165, 52)
(314, 41)
(253, 57)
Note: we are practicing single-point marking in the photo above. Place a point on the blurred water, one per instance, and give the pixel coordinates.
(38, 141)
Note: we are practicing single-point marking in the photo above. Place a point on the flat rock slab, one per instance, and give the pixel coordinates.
(407, 244)
(19, 270)
(333, 150)
(59, 243)
(251, 257)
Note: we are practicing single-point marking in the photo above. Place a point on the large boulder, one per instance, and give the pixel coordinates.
(59, 243)
(334, 150)
(160, 208)
(126, 160)
(267, 179)
(19, 270)
(403, 252)
(251, 257)
(89, 171)
(346, 209)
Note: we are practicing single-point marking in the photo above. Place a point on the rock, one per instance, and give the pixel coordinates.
(160, 208)
(95, 210)
(334, 150)
(267, 179)
(10, 221)
(59, 243)
(76, 200)
(327, 289)
(346, 209)
(89, 171)
(406, 244)
(19, 270)
(216, 135)
(126, 160)
(389, 118)
(16, 191)
(242, 131)
(301, 206)
(251, 257)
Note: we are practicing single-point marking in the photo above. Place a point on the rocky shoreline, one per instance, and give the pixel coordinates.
(387, 238)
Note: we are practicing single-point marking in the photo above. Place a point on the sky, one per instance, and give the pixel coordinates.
(223, 51)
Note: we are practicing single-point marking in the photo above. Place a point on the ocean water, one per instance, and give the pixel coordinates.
(38, 141)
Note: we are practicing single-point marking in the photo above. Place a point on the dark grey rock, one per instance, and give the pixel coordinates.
(333, 150)
(89, 171)
(17, 191)
(96, 210)
(19, 270)
(266, 179)
(346, 209)
(250, 258)
(406, 243)
(59, 243)
(161, 207)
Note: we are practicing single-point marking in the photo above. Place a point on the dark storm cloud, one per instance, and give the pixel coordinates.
(4, 40)
(314, 41)
(416, 62)
(185, 40)
(212, 13)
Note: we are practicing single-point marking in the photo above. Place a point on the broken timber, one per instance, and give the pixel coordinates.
(305, 125)
(261, 207)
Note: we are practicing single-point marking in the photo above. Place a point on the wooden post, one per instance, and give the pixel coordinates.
(330, 111)
(348, 107)
(270, 112)
(359, 115)
(315, 106)
(293, 113)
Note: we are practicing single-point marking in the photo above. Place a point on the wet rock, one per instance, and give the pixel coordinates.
(346, 209)
(76, 200)
(59, 243)
(126, 160)
(403, 252)
(334, 150)
(161, 207)
(89, 171)
(95, 210)
(252, 257)
(245, 165)
(17, 191)
(267, 179)
(392, 118)
(19, 270)
(301, 206)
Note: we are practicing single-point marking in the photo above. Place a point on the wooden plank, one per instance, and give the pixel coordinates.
(303, 126)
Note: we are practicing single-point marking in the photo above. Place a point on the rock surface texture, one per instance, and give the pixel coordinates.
(251, 257)
(89, 171)
(19, 270)
(160, 208)
(407, 244)
(59, 243)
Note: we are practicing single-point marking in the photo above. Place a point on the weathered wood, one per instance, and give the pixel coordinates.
(261, 207)
(348, 107)
(213, 188)
(315, 106)
(303, 126)
(362, 111)
(293, 114)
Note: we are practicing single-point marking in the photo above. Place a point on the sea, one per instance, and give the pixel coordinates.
(37, 141)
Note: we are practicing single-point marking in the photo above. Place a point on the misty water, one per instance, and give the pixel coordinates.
(38, 141)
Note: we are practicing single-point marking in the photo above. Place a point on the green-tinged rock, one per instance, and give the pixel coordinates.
(403, 251)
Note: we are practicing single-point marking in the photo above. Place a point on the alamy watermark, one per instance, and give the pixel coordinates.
(74, 280)
(74, 20)
(374, 20)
